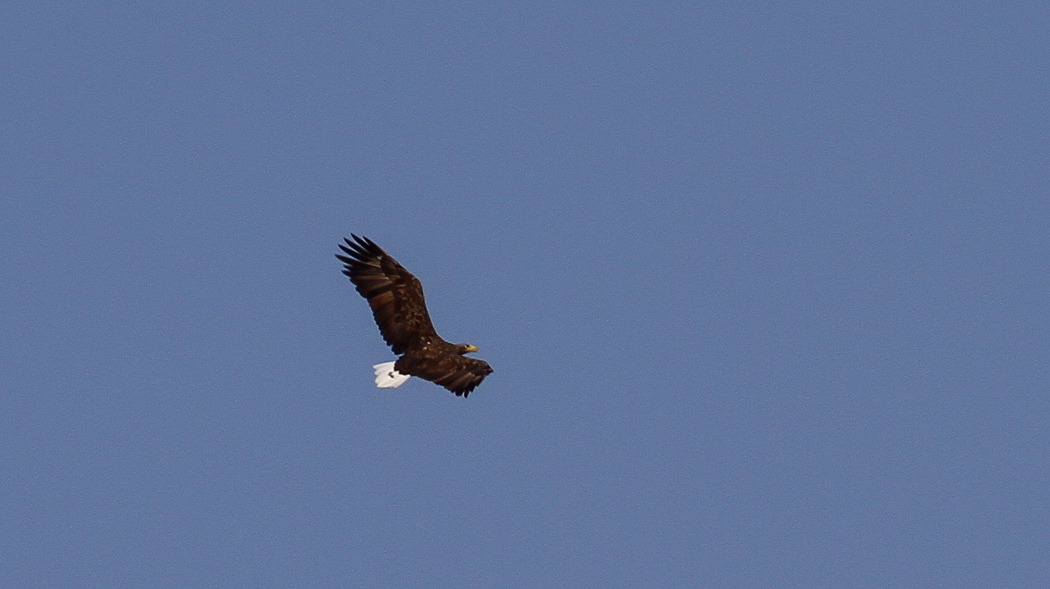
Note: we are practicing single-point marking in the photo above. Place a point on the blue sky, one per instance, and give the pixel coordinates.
(764, 286)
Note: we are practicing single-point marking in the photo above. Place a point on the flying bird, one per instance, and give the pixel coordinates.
(396, 299)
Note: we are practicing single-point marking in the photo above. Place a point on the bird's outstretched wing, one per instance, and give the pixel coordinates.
(459, 374)
(393, 293)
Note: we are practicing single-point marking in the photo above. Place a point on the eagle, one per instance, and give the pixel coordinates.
(396, 299)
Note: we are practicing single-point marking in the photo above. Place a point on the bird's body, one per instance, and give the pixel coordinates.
(396, 299)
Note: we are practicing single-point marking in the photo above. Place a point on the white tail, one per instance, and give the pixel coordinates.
(387, 377)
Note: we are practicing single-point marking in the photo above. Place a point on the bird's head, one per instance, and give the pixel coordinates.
(466, 349)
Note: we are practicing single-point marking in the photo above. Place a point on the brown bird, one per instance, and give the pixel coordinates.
(396, 299)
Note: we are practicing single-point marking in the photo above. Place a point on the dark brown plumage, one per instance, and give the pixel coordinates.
(396, 299)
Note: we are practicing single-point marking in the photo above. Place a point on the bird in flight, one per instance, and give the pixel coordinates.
(396, 299)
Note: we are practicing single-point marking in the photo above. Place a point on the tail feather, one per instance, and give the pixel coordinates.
(387, 377)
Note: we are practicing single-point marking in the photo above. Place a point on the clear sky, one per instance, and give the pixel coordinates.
(764, 284)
